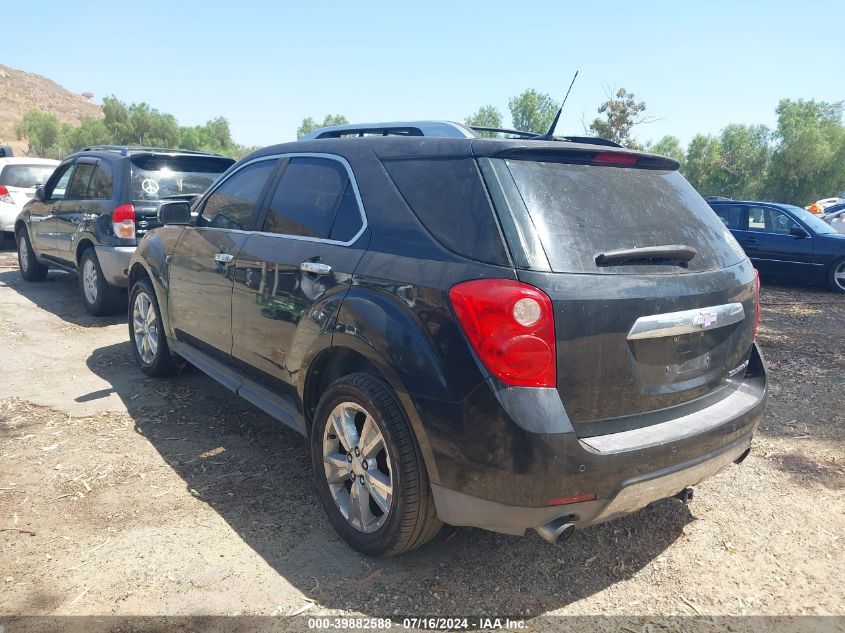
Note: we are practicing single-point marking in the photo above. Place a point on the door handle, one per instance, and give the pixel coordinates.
(316, 268)
(751, 240)
(224, 258)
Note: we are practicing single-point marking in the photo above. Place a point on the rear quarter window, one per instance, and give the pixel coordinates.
(449, 198)
(581, 211)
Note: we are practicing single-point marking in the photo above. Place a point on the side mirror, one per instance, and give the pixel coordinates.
(797, 231)
(40, 194)
(174, 212)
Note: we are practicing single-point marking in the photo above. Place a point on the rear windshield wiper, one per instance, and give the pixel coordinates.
(679, 253)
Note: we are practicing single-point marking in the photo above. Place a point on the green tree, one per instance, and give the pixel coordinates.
(308, 124)
(42, 132)
(486, 116)
(91, 131)
(745, 156)
(702, 164)
(668, 146)
(808, 161)
(532, 111)
(620, 114)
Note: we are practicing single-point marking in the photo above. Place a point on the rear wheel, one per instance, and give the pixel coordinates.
(31, 269)
(98, 296)
(837, 276)
(149, 344)
(370, 475)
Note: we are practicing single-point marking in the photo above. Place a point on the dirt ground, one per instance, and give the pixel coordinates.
(125, 495)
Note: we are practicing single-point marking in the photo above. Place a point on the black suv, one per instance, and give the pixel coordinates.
(506, 334)
(95, 207)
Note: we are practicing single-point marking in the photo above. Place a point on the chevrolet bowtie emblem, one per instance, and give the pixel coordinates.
(704, 319)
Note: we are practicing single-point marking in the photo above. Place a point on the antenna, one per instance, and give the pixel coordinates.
(549, 136)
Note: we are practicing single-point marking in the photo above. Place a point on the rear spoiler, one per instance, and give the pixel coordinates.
(584, 155)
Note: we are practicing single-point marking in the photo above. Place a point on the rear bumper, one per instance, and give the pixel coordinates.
(625, 471)
(114, 262)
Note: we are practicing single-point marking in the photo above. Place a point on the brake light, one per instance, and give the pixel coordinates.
(5, 196)
(510, 325)
(123, 221)
(614, 158)
(757, 302)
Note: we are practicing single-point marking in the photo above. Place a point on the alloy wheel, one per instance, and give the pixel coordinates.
(23, 253)
(839, 276)
(89, 281)
(145, 327)
(358, 467)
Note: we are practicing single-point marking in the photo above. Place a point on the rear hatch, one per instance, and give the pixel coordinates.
(21, 179)
(159, 177)
(654, 300)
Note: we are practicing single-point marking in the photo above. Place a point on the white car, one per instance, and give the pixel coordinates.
(18, 179)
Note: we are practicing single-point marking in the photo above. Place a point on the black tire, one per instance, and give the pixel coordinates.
(412, 519)
(162, 363)
(31, 269)
(837, 270)
(104, 299)
(2, 240)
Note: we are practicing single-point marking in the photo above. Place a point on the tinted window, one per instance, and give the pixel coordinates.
(580, 211)
(731, 215)
(157, 177)
(813, 221)
(314, 199)
(101, 186)
(60, 179)
(232, 203)
(25, 176)
(769, 220)
(448, 197)
(79, 184)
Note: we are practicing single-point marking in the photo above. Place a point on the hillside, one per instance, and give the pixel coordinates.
(21, 91)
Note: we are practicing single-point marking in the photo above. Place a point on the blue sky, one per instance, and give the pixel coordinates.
(266, 65)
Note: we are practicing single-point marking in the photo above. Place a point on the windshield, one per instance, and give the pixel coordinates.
(581, 211)
(159, 177)
(813, 221)
(25, 176)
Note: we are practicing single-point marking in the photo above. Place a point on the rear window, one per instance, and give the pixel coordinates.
(159, 177)
(580, 211)
(25, 176)
(448, 197)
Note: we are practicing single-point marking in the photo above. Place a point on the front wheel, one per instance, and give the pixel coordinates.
(837, 276)
(31, 269)
(149, 344)
(370, 475)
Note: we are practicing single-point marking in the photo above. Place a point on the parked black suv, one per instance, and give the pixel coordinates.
(95, 207)
(506, 334)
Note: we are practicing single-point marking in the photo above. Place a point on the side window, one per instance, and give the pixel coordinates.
(780, 222)
(315, 198)
(57, 187)
(81, 181)
(233, 202)
(731, 215)
(768, 220)
(756, 218)
(101, 186)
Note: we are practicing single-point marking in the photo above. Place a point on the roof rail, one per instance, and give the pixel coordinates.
(125, 149)
(590, 140)
(404, 128)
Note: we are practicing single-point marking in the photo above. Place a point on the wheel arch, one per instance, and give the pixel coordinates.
(354, 356)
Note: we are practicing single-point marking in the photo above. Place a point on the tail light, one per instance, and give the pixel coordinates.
(123, 221)
(510, 325)
(757, 302)
(5, 196)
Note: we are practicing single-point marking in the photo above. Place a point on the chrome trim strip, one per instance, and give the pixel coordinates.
(340, 159)
(686, 321)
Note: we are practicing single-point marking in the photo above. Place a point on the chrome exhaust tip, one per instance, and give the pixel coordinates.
(557, 531)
